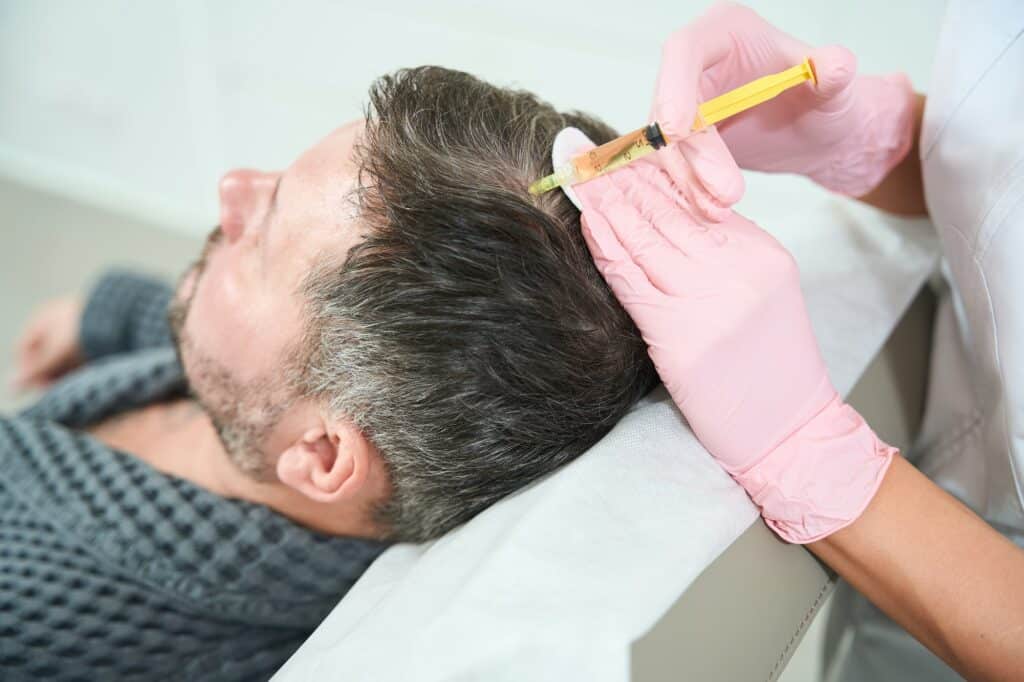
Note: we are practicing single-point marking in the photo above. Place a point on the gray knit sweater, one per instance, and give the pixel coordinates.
(112, 570)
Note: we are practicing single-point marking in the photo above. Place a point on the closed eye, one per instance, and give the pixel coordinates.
(268, 221)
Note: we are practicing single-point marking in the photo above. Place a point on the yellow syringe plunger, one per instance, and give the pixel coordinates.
(752, 94)
(625, 149)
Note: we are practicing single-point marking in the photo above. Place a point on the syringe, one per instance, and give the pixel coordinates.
(639, 143)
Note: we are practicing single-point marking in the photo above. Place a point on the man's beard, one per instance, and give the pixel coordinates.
(178, 310)
(242, 413)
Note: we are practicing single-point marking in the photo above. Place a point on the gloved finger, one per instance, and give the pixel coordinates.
(665, 208)
(627, 281)
(715, 168)
(648, 189)
(684, 57)
(834, 69)
(609, 254)
(676, 90)
(660, 178)
(613, 227)
(664, 204)
(692, 195)
(659, 260)
(706, 174)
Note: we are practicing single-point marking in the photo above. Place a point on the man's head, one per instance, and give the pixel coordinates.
(397, 300)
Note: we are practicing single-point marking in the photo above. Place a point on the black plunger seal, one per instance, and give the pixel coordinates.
(654, 137)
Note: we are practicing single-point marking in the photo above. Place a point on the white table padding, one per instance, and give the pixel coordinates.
(556, 581)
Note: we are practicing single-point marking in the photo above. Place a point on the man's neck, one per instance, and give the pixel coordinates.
(340, 519)
(346, 520)
(179, 439)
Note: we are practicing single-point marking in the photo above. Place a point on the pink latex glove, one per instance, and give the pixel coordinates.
(721, 310)
(846, 133)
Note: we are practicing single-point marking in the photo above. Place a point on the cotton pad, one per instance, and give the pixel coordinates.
(569, 142)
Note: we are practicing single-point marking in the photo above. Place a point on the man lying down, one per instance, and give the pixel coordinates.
(376, 344)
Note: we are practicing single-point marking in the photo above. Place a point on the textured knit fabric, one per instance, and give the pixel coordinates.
(125, 312)
(112, 570)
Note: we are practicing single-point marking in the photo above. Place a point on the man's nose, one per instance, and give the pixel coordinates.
(245, 196)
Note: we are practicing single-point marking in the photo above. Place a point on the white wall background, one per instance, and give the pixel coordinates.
(141, 106)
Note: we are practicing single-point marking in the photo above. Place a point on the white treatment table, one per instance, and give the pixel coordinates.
(642, 559)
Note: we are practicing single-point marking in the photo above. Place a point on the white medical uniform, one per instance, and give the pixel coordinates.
(972, 441)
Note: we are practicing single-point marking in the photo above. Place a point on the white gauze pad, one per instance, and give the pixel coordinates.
(569, 142)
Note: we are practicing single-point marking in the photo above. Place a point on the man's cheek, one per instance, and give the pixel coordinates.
(186, 289)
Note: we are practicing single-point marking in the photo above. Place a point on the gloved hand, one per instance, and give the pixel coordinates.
(721, 310)
(846, 133)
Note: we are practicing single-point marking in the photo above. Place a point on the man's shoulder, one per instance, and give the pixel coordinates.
(230, 558)
(110, 385)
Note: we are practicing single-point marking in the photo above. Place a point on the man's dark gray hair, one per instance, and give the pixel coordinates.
(470, 336)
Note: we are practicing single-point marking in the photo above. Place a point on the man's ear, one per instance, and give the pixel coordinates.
(328, 463)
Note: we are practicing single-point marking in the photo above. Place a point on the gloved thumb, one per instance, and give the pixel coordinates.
(706, 174)
(834, 69)
(678, 86)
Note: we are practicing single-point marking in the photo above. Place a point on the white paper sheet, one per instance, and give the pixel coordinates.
(555, 582)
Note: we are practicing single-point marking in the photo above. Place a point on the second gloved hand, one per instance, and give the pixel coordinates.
(720, 307)
(845, 133)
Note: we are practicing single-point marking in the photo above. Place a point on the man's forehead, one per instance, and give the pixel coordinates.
(335, 148)
(317, 187)
(316, 211)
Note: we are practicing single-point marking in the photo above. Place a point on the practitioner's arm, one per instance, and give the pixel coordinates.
(721, 310)
(939, 571)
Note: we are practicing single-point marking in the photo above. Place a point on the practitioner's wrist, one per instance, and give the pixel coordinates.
(889, 106)
(821, 478)
(901, 191)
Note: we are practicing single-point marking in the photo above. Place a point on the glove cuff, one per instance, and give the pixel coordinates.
(821, 478)
(889, 136)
